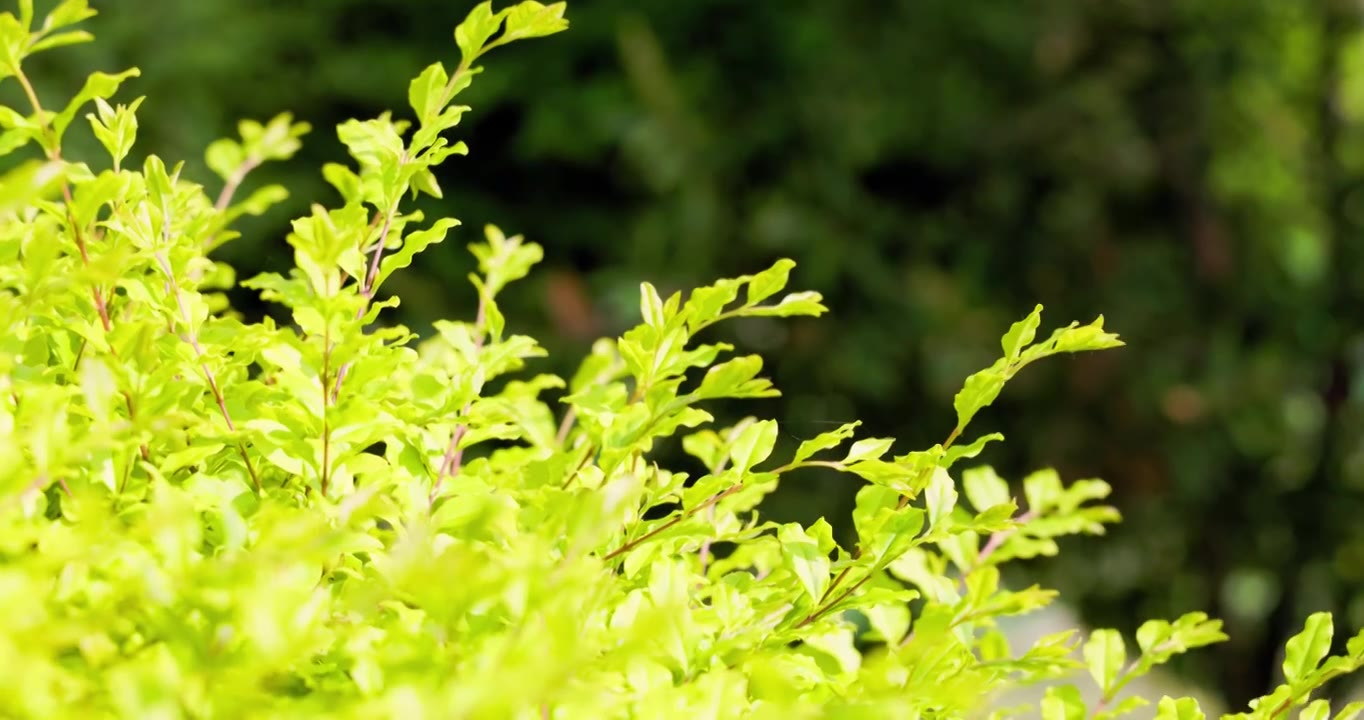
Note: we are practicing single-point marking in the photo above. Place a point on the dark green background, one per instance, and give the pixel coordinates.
(936, 167)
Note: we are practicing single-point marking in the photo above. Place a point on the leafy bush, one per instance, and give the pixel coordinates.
(205, 517)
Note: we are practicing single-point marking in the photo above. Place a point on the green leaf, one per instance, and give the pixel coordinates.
(69, 12)
(805, 559)
(258, 202)
(1087, 337)
(957, 452)
(224, 156)
(705, 304)
(278, 139)
(1160, 640)
(651, 307)
(531, 19)
(373, 143)
(1042, 489)
(426, 92)
(74, 37)
(1316, 710)
(770, 281)
(824, 441)
(753, 445)
(19, 130)
(14, 37)
(1351, 711)
(893, 534)
(1105, 655)
(115, 128)
(1308, 648)
(888, 474)
(1021, 335)
(734, 378)
(29, 182)
(800, 303)
(25, 15)
(479, 25)
(413, 244)
(978, 392)
(504, 260)
(1063, 703)
(992, 520)
(941, 498)
(1181, 709)
(984, 488)
(872, 508)
(98, 85)
(867, 449)
(1125, 707)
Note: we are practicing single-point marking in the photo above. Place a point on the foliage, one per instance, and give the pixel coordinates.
(1190, 169)
(207, 517)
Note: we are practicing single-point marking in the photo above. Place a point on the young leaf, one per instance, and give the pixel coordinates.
(1105, 655)
(1063, 703)
(68, 13)
(1021, 335)
(1181, 709)
(894, 535)
(1316, 710)
(1351, 711)
(479, 25)
(412, 245)
(425, 94)
(799, 303)
(1306, 650)
(651, 306)
(805, 559)
(868, 449)
(957, 452)
(769, 282)
(753, 445)
(529, 19)
(98, 85)
(979, 390)
(941, 498)
(1042, 489)
(984, 488)
(1124, 707)
(705, 304)
(824, 441)
(56, 40)
(732, 378)
(1086, 337)
(1160, 640)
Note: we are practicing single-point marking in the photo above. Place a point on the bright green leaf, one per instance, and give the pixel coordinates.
(1181, 709)
(1021, 335)
(1105, 654)
(1308, 648)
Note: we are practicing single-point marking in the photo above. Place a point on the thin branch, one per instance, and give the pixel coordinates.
(714, 499)
(822, 607)
(193, 339)
(454, 454)
(326, 408)
(566, 426)
(997, 539)
(234, 182)
(101, 304)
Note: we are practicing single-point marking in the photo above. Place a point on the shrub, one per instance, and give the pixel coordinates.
(208, 517)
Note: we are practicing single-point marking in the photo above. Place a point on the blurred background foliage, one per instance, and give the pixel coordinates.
(1189, 169)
